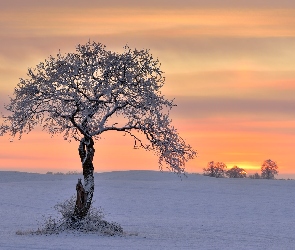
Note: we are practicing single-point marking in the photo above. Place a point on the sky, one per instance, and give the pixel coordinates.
(229, 66)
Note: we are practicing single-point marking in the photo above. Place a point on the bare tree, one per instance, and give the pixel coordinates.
(215, 169)
(84, 94)
(236, 172)
(269, 169)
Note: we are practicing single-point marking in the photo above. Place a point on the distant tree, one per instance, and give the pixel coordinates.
(215, 169)
(84, 94)
(236, 172)
(269, 169)
(254, 176)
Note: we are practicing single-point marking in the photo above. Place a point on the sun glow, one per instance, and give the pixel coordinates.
(248, 167)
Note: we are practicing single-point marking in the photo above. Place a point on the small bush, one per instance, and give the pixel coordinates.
(254, 176)
(92, 223)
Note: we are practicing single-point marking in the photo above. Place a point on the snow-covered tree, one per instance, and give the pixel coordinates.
(84, 94)
(269, 169)
(236, 172)
(215, 169)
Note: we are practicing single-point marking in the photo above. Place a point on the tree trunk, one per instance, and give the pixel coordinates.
(85, 194)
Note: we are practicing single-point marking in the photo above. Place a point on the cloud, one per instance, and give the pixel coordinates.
(234, 83)
(176, 54)
(158, 22)
(200, 107)
(187, 40)
(149, 4)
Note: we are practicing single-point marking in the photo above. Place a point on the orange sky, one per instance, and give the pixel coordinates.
(230, 68)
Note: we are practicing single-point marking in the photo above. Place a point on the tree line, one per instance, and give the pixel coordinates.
(269, 169)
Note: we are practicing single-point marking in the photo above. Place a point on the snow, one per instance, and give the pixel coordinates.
(157, 211)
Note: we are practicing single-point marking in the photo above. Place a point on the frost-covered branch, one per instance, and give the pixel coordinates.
(79, 95)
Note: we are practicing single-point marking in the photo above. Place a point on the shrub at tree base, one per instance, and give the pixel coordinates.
(93, 222)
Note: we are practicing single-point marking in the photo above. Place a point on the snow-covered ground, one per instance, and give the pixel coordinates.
(157, 210)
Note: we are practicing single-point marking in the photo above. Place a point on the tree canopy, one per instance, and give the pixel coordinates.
(84, 94)
(215, 169)
(269, 169)
(236, 172)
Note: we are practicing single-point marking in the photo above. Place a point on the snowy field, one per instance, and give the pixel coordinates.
(157, 211)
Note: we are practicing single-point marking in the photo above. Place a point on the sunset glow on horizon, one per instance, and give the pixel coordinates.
(231, 70)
